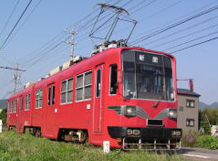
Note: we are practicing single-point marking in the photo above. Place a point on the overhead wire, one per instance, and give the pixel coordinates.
(61, 35)
(161, 26)
(195, 39)
(143, 38)
(37, 60)
(142, 6)
(24, 22)
(161, 10)
(185, 36)
(191, 46)
(24, 11)
(84, 36)
(171, 52)
(181, 30)
(9, 18)
(44, 53)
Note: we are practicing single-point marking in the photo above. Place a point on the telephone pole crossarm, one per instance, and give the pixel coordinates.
(11, 68)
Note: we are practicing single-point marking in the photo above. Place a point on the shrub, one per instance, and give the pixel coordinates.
(189, 138)
(207, 141)
(206, 127)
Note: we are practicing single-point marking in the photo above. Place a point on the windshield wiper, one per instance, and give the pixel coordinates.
(157, 102)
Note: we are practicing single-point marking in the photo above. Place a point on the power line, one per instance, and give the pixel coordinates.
(187, 47)
(180, 31)
(162, 10)
(16, 24)
(46, 53)
(190, 34)
(136, 10)
(85, 35)
(145, 5)
(28, 17)
(174, 25)
(161, 26)
(56, 38)
(9, 18)
(198, 38)
(58, 44)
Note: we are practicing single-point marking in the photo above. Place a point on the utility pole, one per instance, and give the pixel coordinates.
(16, 75)
(72, 42)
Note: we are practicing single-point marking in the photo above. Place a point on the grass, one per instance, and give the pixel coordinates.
(24, 147)
(207, 141)
(200, 140)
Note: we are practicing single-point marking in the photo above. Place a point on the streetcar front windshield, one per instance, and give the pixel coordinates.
(147, 75)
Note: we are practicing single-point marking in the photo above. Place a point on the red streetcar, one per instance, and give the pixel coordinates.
(125, 95)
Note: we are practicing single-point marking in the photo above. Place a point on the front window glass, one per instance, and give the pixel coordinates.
(147, 76)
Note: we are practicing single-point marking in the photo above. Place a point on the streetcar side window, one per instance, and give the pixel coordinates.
(51, 95)
(27, 102)
(84, 86)
(79, 87)
(113, 79)
(20, 103)
(67, 91)
(88, 85)
(98, 83)
(11, 107)
(39, 99)
(15, 106)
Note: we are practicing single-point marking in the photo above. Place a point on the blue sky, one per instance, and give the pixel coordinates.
(52, 17)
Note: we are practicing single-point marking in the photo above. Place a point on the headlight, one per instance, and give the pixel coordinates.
(130, 111)
(176, 133)
(133, 132)
(136, 132)
(129, 132)
(172, 113)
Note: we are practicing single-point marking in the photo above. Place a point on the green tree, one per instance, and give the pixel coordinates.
(3, 117)
(212, 115)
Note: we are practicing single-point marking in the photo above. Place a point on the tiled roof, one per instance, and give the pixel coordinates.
(182, 91)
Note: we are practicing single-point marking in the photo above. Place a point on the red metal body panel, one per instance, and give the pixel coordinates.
(91, 115)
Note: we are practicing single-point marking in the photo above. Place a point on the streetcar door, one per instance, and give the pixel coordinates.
(97, 120)
(51, 111)
(19, 113)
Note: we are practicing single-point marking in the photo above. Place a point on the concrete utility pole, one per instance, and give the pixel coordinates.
(16, 75)
(72, 42)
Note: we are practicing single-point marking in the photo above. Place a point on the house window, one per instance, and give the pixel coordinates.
(27, 102)
(15, 106)
(67, 91)
(84, 86)
(38, 99)
(190, 122)
(113, 79)
(190, 103)
(20, 103)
